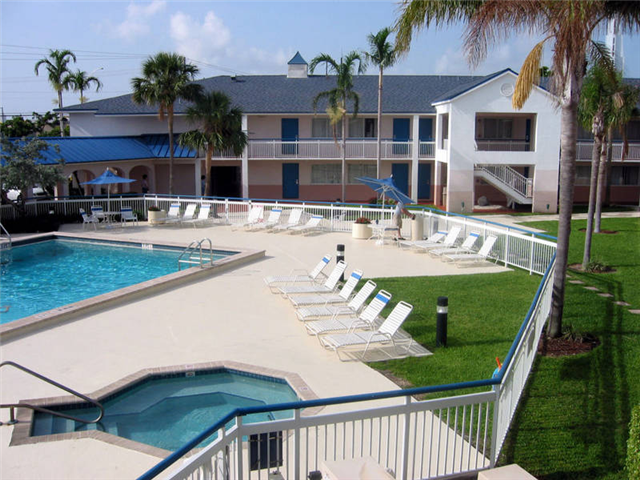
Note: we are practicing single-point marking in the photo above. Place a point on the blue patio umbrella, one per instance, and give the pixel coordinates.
(387, 188)
(108, 178)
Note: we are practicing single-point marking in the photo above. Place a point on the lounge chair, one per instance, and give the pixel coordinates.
(329, 286)
(311, 312)
(298, 275)
(365, 320)
(254, 217)
(320, 299)
(313, 225)
(202, 218)
(386, 334)
(272, 221)
(127, 215)
(436, 238)
(294, 220)
(483, 253)
(466, 247)
(448, 242)
(88, 219)
(173, 215)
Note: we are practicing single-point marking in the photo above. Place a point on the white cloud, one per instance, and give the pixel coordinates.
(136, 22)
(204, 41)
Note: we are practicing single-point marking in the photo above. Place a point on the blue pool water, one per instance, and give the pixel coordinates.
(168, 412)
(53, 273)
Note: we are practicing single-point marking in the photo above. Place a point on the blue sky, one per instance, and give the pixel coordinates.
(112, 39)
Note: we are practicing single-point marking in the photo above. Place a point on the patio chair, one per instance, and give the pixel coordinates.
(329, 286)
(202, 218)
(386, 334)
(298, 275)
(294, 220)
(313, 225)
(365, 320)
(448, 242)
(254, 217)
(127, 215)
(88, 219)
(98, 213)
(436, 238)
(272, 221)
(483, 253)
(320, 299)
(466, 247)
(311, 312)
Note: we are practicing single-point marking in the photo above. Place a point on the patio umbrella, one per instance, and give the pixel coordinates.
(108, 178)
(387, 188)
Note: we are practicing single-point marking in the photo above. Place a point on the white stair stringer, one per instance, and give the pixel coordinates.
(516, 187)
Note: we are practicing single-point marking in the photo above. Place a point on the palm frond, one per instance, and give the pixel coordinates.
(528, 77)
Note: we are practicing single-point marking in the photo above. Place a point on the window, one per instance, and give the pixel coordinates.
(583, 175)
(625, 175)
(328, 173)
(362, 128)
(360, 170)
(322, 128)
(496, 128)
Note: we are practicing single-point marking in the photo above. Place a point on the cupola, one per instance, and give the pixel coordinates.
(298, 67)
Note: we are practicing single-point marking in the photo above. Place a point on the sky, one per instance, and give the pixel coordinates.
(112, 39)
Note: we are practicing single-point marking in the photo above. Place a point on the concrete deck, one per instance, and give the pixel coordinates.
(232, 316)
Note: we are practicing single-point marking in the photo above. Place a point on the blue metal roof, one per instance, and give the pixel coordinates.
(297, 60)
(104, 149)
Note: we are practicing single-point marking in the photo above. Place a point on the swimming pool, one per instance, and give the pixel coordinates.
(56, 272)
(169, 410)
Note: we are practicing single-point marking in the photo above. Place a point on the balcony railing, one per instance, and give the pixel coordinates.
(326, 149)
(503, 145)
(585, 149)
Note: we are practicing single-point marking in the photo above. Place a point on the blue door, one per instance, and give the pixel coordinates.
(290, 173)
(289, 134)
(425, 127)
(424, 180)
(527, 135)
(400, 172)
(400, 134)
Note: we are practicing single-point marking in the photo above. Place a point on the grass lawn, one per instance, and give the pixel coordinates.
(573, 419)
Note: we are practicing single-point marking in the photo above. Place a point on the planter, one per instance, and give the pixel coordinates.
(156, 218)
(361, 231)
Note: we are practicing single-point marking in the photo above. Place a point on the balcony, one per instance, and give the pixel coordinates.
(326, 149)
(585, 149)
(503, 145)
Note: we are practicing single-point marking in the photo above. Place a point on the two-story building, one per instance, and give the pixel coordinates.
(448, 140)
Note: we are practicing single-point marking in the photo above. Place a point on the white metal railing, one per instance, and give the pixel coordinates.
(585, 149)
(509, 177)
(503, 145)
(327, 149)
(427, 150)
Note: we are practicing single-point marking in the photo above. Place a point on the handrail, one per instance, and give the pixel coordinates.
(13, 406)
(7, 234)
(192, 247)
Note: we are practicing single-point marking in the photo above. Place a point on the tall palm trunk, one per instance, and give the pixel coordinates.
(207, 169)
(568, 139)
(598, 128)
(602, 179)
(343, 198)
(378, 151)
(170, 123)
(61, 114)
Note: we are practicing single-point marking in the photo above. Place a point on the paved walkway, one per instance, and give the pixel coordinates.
(227, 317)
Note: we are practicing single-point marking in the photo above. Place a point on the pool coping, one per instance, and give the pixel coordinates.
(21, 430)
(26, 325)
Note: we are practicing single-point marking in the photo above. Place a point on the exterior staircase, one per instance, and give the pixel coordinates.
(517, 188)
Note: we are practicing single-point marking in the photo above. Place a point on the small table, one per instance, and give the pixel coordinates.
(106, 217)
(365, 468)
(380, 232)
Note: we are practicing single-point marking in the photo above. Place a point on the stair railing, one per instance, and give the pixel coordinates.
(511, 178)
(13, 406)
(196, 246)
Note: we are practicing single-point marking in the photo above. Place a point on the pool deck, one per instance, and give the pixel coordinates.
(227, 317)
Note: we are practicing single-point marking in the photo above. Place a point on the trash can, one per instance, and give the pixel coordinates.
(417, 228)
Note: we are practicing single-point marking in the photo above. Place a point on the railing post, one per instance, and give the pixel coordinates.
(239, 466)
(494, 430)
(404, 466)
(297, 464)
(506, 248)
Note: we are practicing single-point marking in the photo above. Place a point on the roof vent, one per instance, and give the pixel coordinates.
(298, 67)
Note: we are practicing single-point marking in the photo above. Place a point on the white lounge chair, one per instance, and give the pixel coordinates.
(88, 219)
(448, 242)
(433, 239)
(272, 221)
(466, 247)
(386, 334)
(298, 275)
(365, 320)
(326, 299)
(329, 286)
(313, 225)
(173, 215)
(483, 253)
(127, 215)
(294, 220)
(202, 218)
(255, 215)
(311, 312)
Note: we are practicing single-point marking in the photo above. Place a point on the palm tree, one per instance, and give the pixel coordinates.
(166, 77)
(382, 54)
(569, 24)
(339, 97)
(220, 128)
(80, 81)
(57, 65)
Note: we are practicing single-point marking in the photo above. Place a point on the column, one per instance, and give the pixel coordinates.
(437, 182)
(415, 157)
(198, 174)
(245, 160)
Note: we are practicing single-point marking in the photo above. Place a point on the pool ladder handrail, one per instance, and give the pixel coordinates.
(7, 234)
(193, 247)
(13, 406)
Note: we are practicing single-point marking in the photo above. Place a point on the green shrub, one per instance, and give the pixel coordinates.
(633, 445)
(596, 266)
